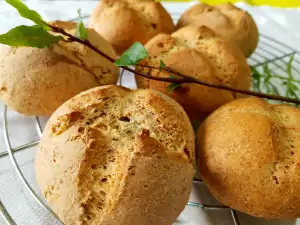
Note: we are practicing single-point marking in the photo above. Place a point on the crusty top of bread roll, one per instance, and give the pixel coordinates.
(114, 156)
(198, 52)
(35, 81)
(227, 21)
(249, 157)
(122, 22)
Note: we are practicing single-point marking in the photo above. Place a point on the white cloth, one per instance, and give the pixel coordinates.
(281, 24)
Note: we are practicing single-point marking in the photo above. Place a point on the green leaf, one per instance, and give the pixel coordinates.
(256, 78)
(292, 86)
(172, 87)
(81, 32)
(274, 89)
(254, 70)
(27, 13)
(266, 69)
(292, 93)
(172, 76)
(289, 66)
(33, 36)
(162, 65)
(133, 55)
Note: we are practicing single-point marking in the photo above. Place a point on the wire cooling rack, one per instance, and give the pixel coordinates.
(269, 50)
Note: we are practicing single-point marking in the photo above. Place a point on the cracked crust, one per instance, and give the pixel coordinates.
(36, 81)
(249, 157)
(227, 20)
(122, 22)
(114, 156)
(198, 52)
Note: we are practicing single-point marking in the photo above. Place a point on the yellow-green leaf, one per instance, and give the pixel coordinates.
(162, 65)
(172, 87)
(27, 13)
(81, 32)
(133, 55)
(33, 36)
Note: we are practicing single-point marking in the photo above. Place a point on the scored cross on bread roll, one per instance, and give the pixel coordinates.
(114, 156)
(227, 20)
(122, 22)
(200, 53)
(249, 157)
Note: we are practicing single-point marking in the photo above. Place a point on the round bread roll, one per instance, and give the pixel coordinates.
(249, 157)
(35, 81)
(198, 52)
(115, 156)
(122, 22)
(226, 20)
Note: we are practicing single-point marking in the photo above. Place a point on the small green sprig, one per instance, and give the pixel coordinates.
(27, 13)
(38, 35)
(172, 86)
(81, 32)
(34, 36)
(162, 65)
(267, 81)
(133, 55)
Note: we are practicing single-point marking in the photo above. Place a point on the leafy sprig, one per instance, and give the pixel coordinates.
(268, 82)
(29, 36)
(171, 86)
(27, 13)
(34, 36)
(81, 32)
(162, 65)
(131, 57)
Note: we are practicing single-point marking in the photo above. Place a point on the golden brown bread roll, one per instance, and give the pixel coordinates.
(249, 157)
(198, 52)
(122, 22)
(114, 156)
(226, 20)
(36, 81)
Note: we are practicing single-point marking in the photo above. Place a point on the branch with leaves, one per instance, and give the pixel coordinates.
(267, 81)
(39, 36)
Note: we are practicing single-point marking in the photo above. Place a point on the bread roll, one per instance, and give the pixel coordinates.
(249, 157)
(113, 156)
(226, 20)
(122, 22)
(36, 81)
(198, 52)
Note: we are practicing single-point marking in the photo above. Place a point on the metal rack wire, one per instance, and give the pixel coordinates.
(269, 50)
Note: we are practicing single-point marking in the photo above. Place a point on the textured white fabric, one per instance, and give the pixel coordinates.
(281, 24)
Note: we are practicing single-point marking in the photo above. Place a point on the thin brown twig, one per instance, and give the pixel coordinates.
(227, 88)
(89, 45)
(184, 78)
